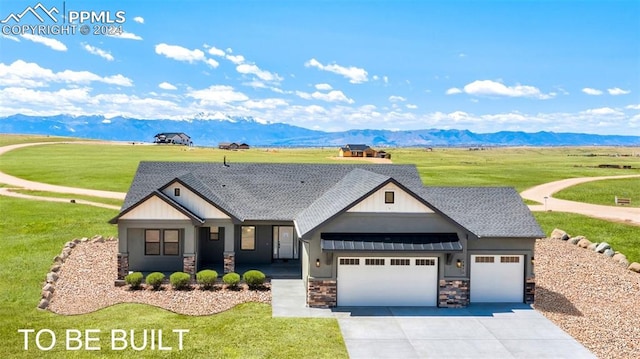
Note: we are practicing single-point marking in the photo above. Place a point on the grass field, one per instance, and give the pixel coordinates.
(115, 202)
(34, 232)
(112, 167)
(604, 192)
(16, 139)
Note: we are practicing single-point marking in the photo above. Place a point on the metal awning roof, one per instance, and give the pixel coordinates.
(429, 242)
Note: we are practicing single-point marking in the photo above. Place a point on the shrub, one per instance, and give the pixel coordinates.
(155, 280)
(134, 280)
(207, 278)
(180, 280)
(254, 278)
(231, 279)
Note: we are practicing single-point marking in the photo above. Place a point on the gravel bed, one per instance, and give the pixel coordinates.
(588, 295)
(86, 284)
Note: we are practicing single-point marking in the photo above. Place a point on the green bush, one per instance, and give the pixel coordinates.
(134, 280)
(231, 279)
(207, 278)
(180, 280)
(254, 278)
(155, 280)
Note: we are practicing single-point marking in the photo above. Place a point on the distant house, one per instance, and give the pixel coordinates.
(357, 150)
(233, 146)
(173, 138)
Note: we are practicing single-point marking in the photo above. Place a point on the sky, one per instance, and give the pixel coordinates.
(485, 66)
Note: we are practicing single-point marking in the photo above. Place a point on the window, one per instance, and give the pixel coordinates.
(509, 259)
(374, 261)
(425, 262)
(389, 197)
(400, 262)
(152, 242)
(214, 233)
(176, 192)
(484, 259)
(248, 239)
(349, 261)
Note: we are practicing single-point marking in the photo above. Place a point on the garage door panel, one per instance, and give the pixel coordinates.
(497, 278)
(383, 282)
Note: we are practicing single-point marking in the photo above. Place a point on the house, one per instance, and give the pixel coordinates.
(243, 146)
(363, 235)
(351, 150)
(174, 138)
(233, 146)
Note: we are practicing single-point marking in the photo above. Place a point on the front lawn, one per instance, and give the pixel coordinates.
(603, 192)
(33, 232)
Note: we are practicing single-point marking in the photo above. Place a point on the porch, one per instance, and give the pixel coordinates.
(289, 269)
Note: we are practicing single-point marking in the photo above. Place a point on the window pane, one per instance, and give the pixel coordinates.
(214, 234)
(248, 240)
(152, 248)
(171, 249)
(171, 235)
(389, 197)
(152, 235)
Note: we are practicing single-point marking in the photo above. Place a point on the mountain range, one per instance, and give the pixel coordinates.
(209, 132)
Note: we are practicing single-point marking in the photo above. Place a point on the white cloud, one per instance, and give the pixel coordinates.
(493, 88)
(139, 19)
(99, 52)
(180, 53)
(603, 111)
(167, 86)
(385, 79)
(618, 91)
(52, 43)
(268, 103)
(236, 59)
(215, 51)
(126, 35)
(213, 63)
(28, 74)
(10, 37)
(261, 74)
(217, 95)
(633, 107)
(453, 91)
(355, 75)
(411, 106)
(591, 91)
(323, 87)
(394, 98)
(332, 96)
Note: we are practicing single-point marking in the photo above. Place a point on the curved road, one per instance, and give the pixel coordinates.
(538, 193)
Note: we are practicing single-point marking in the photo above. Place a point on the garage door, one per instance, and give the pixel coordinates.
(387, 281)
(497, 278)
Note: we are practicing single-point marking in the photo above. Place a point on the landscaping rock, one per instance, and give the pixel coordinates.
(584, 243)
(58, 259)
(46, 295)
(49, 287)
(70, 244)
(618, 257)
(84, 239)
(43, 304)
(558, 234)
(624, 262)
(76, 240)
(575, 240)
(55, 268)
(593, 246)
(97, 239)
(565, 237)
(609, 252)
(52, 277)
(602, 247)
(635, 267)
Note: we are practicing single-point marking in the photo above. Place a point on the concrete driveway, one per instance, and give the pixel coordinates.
(478, 331)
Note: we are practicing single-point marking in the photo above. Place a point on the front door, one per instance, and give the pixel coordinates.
(284, 243)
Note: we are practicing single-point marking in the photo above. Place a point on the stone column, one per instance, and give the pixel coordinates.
(123, 265)
(322, 293)
(189, 264)
(229, 262)
(454, 293)
(530, 290)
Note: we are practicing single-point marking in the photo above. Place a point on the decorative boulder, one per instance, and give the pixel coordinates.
(602, 247)
(609, 252)
(52, 277)
(635, 266)
(593, 246)
(624, 262)
(575, 240)
(584, 243)
(43, 304)
(558, 234)
(619, 257)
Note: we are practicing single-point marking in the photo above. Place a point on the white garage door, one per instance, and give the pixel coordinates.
(497, 278)
(387, 281)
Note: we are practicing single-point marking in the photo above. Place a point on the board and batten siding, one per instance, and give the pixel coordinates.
(193, 202)
(403, 202)
(154, 208)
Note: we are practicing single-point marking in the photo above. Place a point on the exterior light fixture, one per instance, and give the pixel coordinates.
(532, 261)
(317, 262)
(459, 263)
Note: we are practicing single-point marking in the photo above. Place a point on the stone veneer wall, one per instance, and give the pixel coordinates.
(530, 290)
(229, 262)
(123, 265)
(322, 293)
(453, 293)
(189, 264)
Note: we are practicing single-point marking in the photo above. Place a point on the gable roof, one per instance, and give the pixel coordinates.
(357, 147)
(166, 199)
(311, 194)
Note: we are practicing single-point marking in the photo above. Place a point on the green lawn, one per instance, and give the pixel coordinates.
(112, 167)
(115, 202)
(7, 139)
(34, 232)
(604, 192)
(621, 237)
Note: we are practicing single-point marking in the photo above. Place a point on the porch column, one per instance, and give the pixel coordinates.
(123, 265)
(229, 262)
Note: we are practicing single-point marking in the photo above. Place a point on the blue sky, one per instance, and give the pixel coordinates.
(486, 66)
